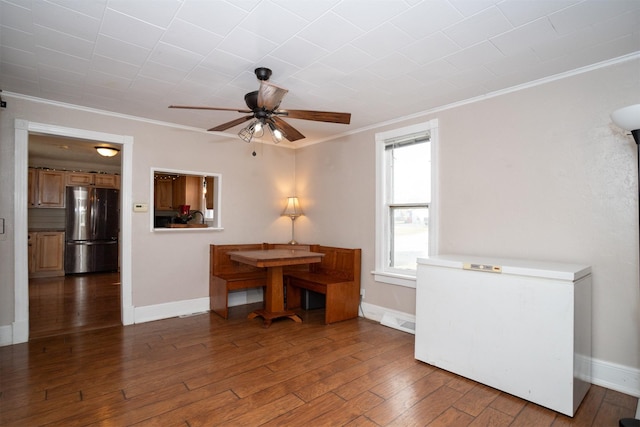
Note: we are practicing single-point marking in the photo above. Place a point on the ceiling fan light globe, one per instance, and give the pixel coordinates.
(246, 134)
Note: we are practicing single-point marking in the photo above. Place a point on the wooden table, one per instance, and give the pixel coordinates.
(274, 260)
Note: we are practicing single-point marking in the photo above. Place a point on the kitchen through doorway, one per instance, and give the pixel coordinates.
(66, 297)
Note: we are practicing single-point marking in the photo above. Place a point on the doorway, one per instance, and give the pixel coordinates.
(61, 301)
(23, 128)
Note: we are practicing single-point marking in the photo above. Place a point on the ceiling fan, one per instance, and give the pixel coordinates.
(263, 109)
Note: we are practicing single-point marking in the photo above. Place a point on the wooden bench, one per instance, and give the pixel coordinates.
(227, 276)
(337, 277)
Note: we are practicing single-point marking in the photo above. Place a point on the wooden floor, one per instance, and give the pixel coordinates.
(204, 371)
(73, 303)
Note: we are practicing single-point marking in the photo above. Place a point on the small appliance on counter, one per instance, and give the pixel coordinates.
(92, 227)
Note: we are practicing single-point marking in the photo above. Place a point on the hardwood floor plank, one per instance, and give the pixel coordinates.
(407, 397)
(586, 412)
(346, 412)
(311, 413)
(428, 409)
(177, 414)
(534, 415)
(361, 421)
(452, 417)
(268, 412)
(402, 379)
(203, 370)
(491, 417)
(388, 372)
(476, 400)
(508, 404)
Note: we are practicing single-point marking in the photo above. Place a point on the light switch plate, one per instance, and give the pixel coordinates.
(140, 207)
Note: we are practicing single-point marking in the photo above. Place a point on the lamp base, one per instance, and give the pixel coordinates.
(293, 242)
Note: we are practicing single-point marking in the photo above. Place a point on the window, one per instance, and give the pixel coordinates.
(405, 215)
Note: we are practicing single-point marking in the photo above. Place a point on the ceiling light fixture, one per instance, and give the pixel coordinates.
(107, 151)
(256, 128)
(276, 134)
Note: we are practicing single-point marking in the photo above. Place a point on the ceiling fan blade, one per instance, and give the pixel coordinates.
(193, 107)
(231, 124)
(318, 116)
(270, 95)
(289, 131)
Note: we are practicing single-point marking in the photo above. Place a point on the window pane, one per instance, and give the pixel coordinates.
(410, 173)
(409, 237)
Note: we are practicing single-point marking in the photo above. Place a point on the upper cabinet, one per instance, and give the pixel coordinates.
(102, 180)
(188, 190)
(46, 188)
(79, 178)
(163, 193)
(105, 180)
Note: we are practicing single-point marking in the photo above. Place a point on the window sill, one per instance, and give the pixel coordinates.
(395, 279)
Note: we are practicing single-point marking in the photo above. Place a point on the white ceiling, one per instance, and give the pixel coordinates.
(377, 59)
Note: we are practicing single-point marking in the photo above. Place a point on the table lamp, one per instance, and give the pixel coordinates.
(293, 211)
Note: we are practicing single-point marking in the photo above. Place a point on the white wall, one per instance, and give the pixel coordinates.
(540, 173)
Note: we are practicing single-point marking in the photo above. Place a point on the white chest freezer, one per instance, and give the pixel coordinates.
(523, 327)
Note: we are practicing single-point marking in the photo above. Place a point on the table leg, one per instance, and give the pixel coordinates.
(274, 299)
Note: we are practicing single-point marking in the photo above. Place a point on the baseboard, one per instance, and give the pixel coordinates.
(150, 313)
(610, 375)
(615, 377)
(6, 335)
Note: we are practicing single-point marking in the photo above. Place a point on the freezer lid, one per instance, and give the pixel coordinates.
(520, 267)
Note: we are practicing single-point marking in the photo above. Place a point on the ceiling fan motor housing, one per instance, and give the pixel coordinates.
(263, 73)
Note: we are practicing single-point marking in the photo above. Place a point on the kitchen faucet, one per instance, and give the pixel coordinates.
(193, 212)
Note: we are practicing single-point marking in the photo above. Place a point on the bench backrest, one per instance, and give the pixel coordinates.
(338, 262)
(222, 264)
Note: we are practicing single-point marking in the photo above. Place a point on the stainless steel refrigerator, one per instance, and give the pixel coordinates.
(92, 227)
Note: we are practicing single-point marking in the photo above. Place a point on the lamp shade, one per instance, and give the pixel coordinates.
(107, 151)
(292, 209)
(628, 118)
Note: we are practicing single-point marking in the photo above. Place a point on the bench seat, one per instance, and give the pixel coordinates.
(337, 277)
(227, 276)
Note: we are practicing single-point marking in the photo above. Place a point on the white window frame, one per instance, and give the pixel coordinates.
(382, 273)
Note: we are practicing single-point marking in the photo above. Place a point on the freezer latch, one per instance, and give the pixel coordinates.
(482, 267)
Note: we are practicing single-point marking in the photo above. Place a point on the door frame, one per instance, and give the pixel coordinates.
(23, 128)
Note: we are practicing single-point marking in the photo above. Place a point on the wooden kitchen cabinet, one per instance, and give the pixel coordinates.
(32, 190)
(99, 180)
(105, 180)
(46, 255)
(163, 194)
(31, 253)
(46, 188)
(187, 190)
(79, 178)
